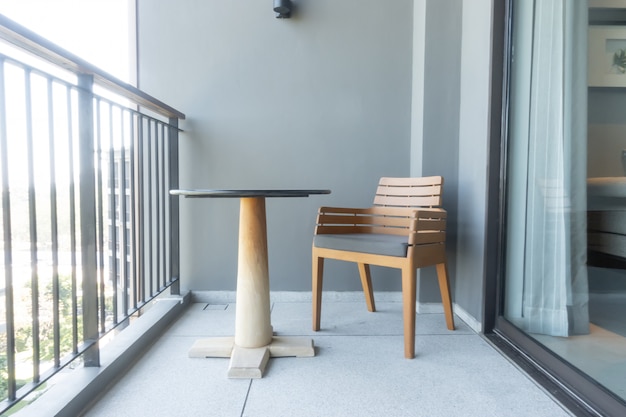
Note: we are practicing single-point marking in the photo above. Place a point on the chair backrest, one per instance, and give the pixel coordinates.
(409, 192)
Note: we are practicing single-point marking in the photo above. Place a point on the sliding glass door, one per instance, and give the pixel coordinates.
(564, 283)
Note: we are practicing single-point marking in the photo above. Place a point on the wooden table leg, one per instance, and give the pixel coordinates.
(253, 343)
(252, 324)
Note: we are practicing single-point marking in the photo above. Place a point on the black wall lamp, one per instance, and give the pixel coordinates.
(283, 8)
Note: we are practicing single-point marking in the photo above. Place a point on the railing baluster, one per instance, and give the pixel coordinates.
(162, 203)
(113, 267)
(72, 203)
(122, 253)
(54, 230)
(8, 241)
(88, 220)
(157, 206)
(174, 255)
(100, 205)
(133, 212)
(141, 205)
(32, 212)
(150, 272)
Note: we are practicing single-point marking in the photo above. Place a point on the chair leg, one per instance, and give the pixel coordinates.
(408, 308)
(444, 287)
(318, 272)
(366, 282)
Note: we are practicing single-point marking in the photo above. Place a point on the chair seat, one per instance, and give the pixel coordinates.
(376, 243)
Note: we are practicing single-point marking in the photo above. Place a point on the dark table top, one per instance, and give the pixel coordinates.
(196, 193)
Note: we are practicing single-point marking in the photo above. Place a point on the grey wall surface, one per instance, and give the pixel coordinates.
(474, 134)
(335, 97)
(451, 76)
(321, 100)
(440, 141)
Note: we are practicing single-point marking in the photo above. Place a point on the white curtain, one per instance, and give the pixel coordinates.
(547, 288)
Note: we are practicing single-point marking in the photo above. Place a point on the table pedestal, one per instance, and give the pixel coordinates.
(253, 343)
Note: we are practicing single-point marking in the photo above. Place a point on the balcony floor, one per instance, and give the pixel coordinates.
(358, 370)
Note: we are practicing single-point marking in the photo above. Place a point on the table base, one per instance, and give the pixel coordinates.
(251, 362)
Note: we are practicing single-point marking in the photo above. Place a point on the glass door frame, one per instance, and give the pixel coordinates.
(568, 385)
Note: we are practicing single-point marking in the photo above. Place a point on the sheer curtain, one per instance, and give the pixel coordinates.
(547, 288)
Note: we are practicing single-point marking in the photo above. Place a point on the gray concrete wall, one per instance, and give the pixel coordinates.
(337, 96)
(322, 100)
(440, 140)
(474, 134)
(450, 121)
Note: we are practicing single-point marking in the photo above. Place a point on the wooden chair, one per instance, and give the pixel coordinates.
(404, 229)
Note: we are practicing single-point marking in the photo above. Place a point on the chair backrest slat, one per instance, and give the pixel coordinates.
(409, 192)
(385, 221)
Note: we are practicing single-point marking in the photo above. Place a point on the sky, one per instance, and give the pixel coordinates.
(95, 30)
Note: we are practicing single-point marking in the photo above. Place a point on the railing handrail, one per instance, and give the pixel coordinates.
(28, 40)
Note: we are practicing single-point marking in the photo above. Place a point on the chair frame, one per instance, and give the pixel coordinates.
(402, 206)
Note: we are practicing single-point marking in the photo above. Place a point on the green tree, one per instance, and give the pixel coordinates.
(4, 375)
(24, 329)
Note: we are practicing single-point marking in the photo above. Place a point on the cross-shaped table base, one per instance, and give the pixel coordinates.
(251, 362)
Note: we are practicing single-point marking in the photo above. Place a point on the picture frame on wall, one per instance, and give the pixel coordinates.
(607, 56)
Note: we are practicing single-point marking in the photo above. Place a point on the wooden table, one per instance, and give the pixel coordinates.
(253, 344)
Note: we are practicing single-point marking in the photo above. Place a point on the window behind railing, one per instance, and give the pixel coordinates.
(89, 231)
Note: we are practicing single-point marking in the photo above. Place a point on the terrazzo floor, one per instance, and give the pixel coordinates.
(358, 370)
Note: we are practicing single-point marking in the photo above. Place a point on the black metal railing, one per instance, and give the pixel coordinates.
(90, 233)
